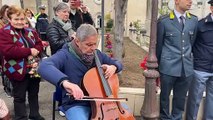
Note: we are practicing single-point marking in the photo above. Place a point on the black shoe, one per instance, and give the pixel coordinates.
(36, 118)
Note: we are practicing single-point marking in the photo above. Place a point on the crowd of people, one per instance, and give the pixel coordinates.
(184, 45)
(21, 54)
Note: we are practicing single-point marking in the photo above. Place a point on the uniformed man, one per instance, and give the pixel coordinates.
(175, 36)
(203, 70)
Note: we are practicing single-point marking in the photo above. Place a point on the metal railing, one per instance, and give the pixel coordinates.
(139, 37)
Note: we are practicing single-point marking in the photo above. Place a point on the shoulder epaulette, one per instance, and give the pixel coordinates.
(206, 19)
(192, 15)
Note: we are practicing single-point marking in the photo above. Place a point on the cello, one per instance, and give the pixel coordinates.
(110, 108)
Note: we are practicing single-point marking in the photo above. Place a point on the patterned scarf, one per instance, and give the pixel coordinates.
(87, 59)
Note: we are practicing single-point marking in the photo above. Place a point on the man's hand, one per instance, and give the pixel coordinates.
(73, 89)
(109, 70)
(84, 8)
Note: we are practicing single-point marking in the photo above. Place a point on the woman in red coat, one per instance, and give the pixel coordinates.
(19, 47)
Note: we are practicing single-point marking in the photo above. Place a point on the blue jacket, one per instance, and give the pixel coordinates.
(174, 45)
(64, 64)
(203, 48)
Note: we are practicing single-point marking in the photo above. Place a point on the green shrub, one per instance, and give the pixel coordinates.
(137, 25)
(109, 23)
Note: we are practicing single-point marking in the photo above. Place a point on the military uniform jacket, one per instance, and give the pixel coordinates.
(174, 44)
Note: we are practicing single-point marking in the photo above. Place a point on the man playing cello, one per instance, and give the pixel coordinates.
(68, 66)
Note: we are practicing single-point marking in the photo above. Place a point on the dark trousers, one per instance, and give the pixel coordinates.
(180, 86)
(20, 88)
(59, 96)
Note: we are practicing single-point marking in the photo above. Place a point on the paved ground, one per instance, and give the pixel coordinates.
(45, 98)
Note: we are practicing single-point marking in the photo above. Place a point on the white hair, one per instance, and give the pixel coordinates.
(84, 31)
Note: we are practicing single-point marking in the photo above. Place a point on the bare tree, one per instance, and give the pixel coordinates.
(120, 12)
(22, 4)
(51, 3)
(38, 3)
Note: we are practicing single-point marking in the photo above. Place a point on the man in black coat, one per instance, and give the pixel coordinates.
(79, 14)
(203, 70)
(41, 25)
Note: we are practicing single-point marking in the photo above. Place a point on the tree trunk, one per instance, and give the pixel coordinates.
(38, 3)
(22, 4)
(51, 3)
(120, 12)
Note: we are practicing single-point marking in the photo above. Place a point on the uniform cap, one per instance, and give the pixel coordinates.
(211, 2)
(42, 7)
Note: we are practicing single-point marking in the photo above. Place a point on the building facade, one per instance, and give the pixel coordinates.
(136, 9)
